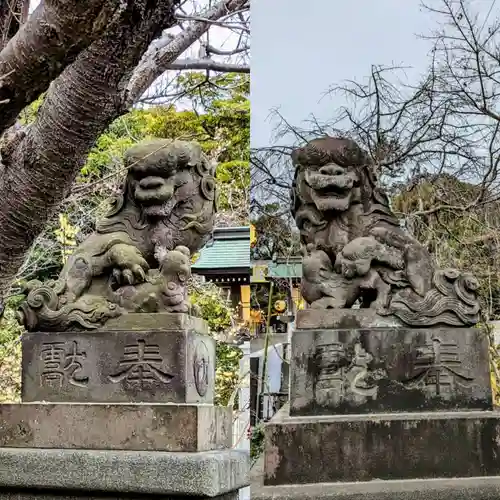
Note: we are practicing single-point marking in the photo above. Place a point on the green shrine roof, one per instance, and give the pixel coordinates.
(291, 269)
(278, 268)
(228, 249)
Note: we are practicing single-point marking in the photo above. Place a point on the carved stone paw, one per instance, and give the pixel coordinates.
(128, 264)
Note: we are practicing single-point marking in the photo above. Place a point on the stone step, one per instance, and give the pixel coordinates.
(135, 427)
(471, 488)
(344, 448)
(49, 474)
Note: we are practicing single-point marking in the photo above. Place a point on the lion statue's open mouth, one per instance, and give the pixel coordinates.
(331, 187)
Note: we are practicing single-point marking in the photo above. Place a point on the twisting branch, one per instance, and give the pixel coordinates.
(161, 56)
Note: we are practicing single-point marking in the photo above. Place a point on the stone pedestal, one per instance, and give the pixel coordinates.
(374, 402)
(124, 412)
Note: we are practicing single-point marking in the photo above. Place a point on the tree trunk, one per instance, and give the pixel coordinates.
(41, 164)
(52, 38)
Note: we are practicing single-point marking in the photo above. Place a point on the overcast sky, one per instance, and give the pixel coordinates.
(300, 49)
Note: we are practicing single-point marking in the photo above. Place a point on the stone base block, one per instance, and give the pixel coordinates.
(367, 369)
(300, 450)
(148, 427)
(475, 488)
(90, 474)
(137, 358)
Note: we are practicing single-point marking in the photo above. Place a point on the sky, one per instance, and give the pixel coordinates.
(300, 49)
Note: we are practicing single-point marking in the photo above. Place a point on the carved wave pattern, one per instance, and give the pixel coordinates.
(44, 308)
(452, 301)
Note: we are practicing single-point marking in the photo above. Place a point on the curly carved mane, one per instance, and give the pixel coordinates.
(124, 216)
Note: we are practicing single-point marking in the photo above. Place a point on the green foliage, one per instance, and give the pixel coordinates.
(222, 127)
(214, 308)
(227, 373)
(29, 113)
(10, 330)
(456, 238)
(65, 235)
(204, 94)
(256, 442)
(10, 353)
(274, 235)
(220, 316)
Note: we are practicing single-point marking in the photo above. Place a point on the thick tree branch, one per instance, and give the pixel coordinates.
(208, 64)
(13, 13)
(158, 60)
(42, 163)
(51, 39)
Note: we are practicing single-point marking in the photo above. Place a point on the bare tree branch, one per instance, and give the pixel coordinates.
(209, 65)
(13, 13)
(214, 50)
(159, 57)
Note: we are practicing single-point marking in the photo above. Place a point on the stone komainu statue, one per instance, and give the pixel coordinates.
(356, 250)
(138, 259)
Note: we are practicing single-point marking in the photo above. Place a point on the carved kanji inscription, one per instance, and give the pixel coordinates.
(345, 371)
(63, 363)
(141, 364)
(437, 365)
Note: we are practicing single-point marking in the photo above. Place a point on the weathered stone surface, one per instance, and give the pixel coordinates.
(143, 426)
(388, 369)
(325, 319)
(170, 366)
(164, 322)
(473, 488)
(201, 474)
(344, 448)
(139, 258)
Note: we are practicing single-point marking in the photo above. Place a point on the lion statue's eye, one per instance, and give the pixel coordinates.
(208, 187)
(185, 204)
